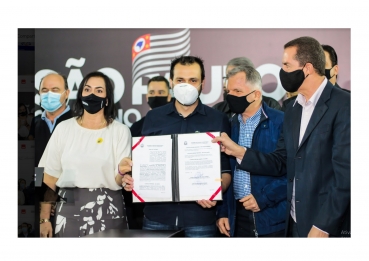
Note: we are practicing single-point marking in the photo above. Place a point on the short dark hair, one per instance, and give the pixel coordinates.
(110, 111)
(184, 60)
(62, 75)
(158, 79)
(309, 50)
(332, 54)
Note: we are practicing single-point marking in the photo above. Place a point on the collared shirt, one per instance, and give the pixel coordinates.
(50, 124)
(166, 120)
(307, 110)
(242, 183)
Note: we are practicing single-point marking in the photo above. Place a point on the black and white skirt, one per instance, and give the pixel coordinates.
(86, 211)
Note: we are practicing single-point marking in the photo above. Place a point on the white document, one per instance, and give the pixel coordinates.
(152, 168)
(199, 170)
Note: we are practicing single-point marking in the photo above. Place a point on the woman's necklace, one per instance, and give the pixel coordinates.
(102, 124)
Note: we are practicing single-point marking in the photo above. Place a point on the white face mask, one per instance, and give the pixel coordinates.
(185, 93)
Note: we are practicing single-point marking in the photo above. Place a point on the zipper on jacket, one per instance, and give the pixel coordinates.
(253, 134)
(253, 214)
(255, 231)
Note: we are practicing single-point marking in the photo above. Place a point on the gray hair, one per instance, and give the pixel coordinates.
(240, 61)
(252, 76)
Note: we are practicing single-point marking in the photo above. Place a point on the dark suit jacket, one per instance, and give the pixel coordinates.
(320, 165)
(136, 127)
(292, 99)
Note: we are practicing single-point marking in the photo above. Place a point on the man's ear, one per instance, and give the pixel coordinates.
(169, 97)
(67, 94)
(147, 98)
(310, 69)
(258, 94)
(336, 69)
(203, 84)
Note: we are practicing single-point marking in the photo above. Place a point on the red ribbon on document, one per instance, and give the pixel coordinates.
(215, 193)
(211, 135)
(133, 191)
(138, 142)
(137, 196)
(220, 188)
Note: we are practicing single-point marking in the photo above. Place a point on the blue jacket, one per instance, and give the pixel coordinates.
(270, 192)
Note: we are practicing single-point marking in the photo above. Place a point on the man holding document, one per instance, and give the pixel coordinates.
(186, 128)
(253, 206)
(314, 146)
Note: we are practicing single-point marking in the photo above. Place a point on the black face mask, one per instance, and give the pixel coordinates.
(157, 101)
(328, 73)
(292, 81)
(92, 103)
(22, 113)
(238, 104)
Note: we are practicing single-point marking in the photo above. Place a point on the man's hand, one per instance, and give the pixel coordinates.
(314, 232)
(223, 225)
(206, 203)
(46, 230)
(229, 147)
(249, 202)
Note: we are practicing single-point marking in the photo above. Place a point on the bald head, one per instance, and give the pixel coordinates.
(52, 82)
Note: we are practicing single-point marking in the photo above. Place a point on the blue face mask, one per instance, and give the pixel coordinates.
(50, 101)
(24, 230)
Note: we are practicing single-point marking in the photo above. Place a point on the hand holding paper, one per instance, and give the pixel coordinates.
(206, 203)
(127, 183)
(229, 147)
(125, 165)
(177, 167)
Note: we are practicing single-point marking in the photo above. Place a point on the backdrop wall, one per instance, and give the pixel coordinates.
(130, 57)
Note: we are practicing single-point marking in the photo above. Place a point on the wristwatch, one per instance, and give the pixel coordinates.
(43, 220)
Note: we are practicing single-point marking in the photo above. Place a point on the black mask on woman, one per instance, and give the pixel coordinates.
(292, 81)
(157, 101)
(23, 113)
(238, 104)
(92, 103)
